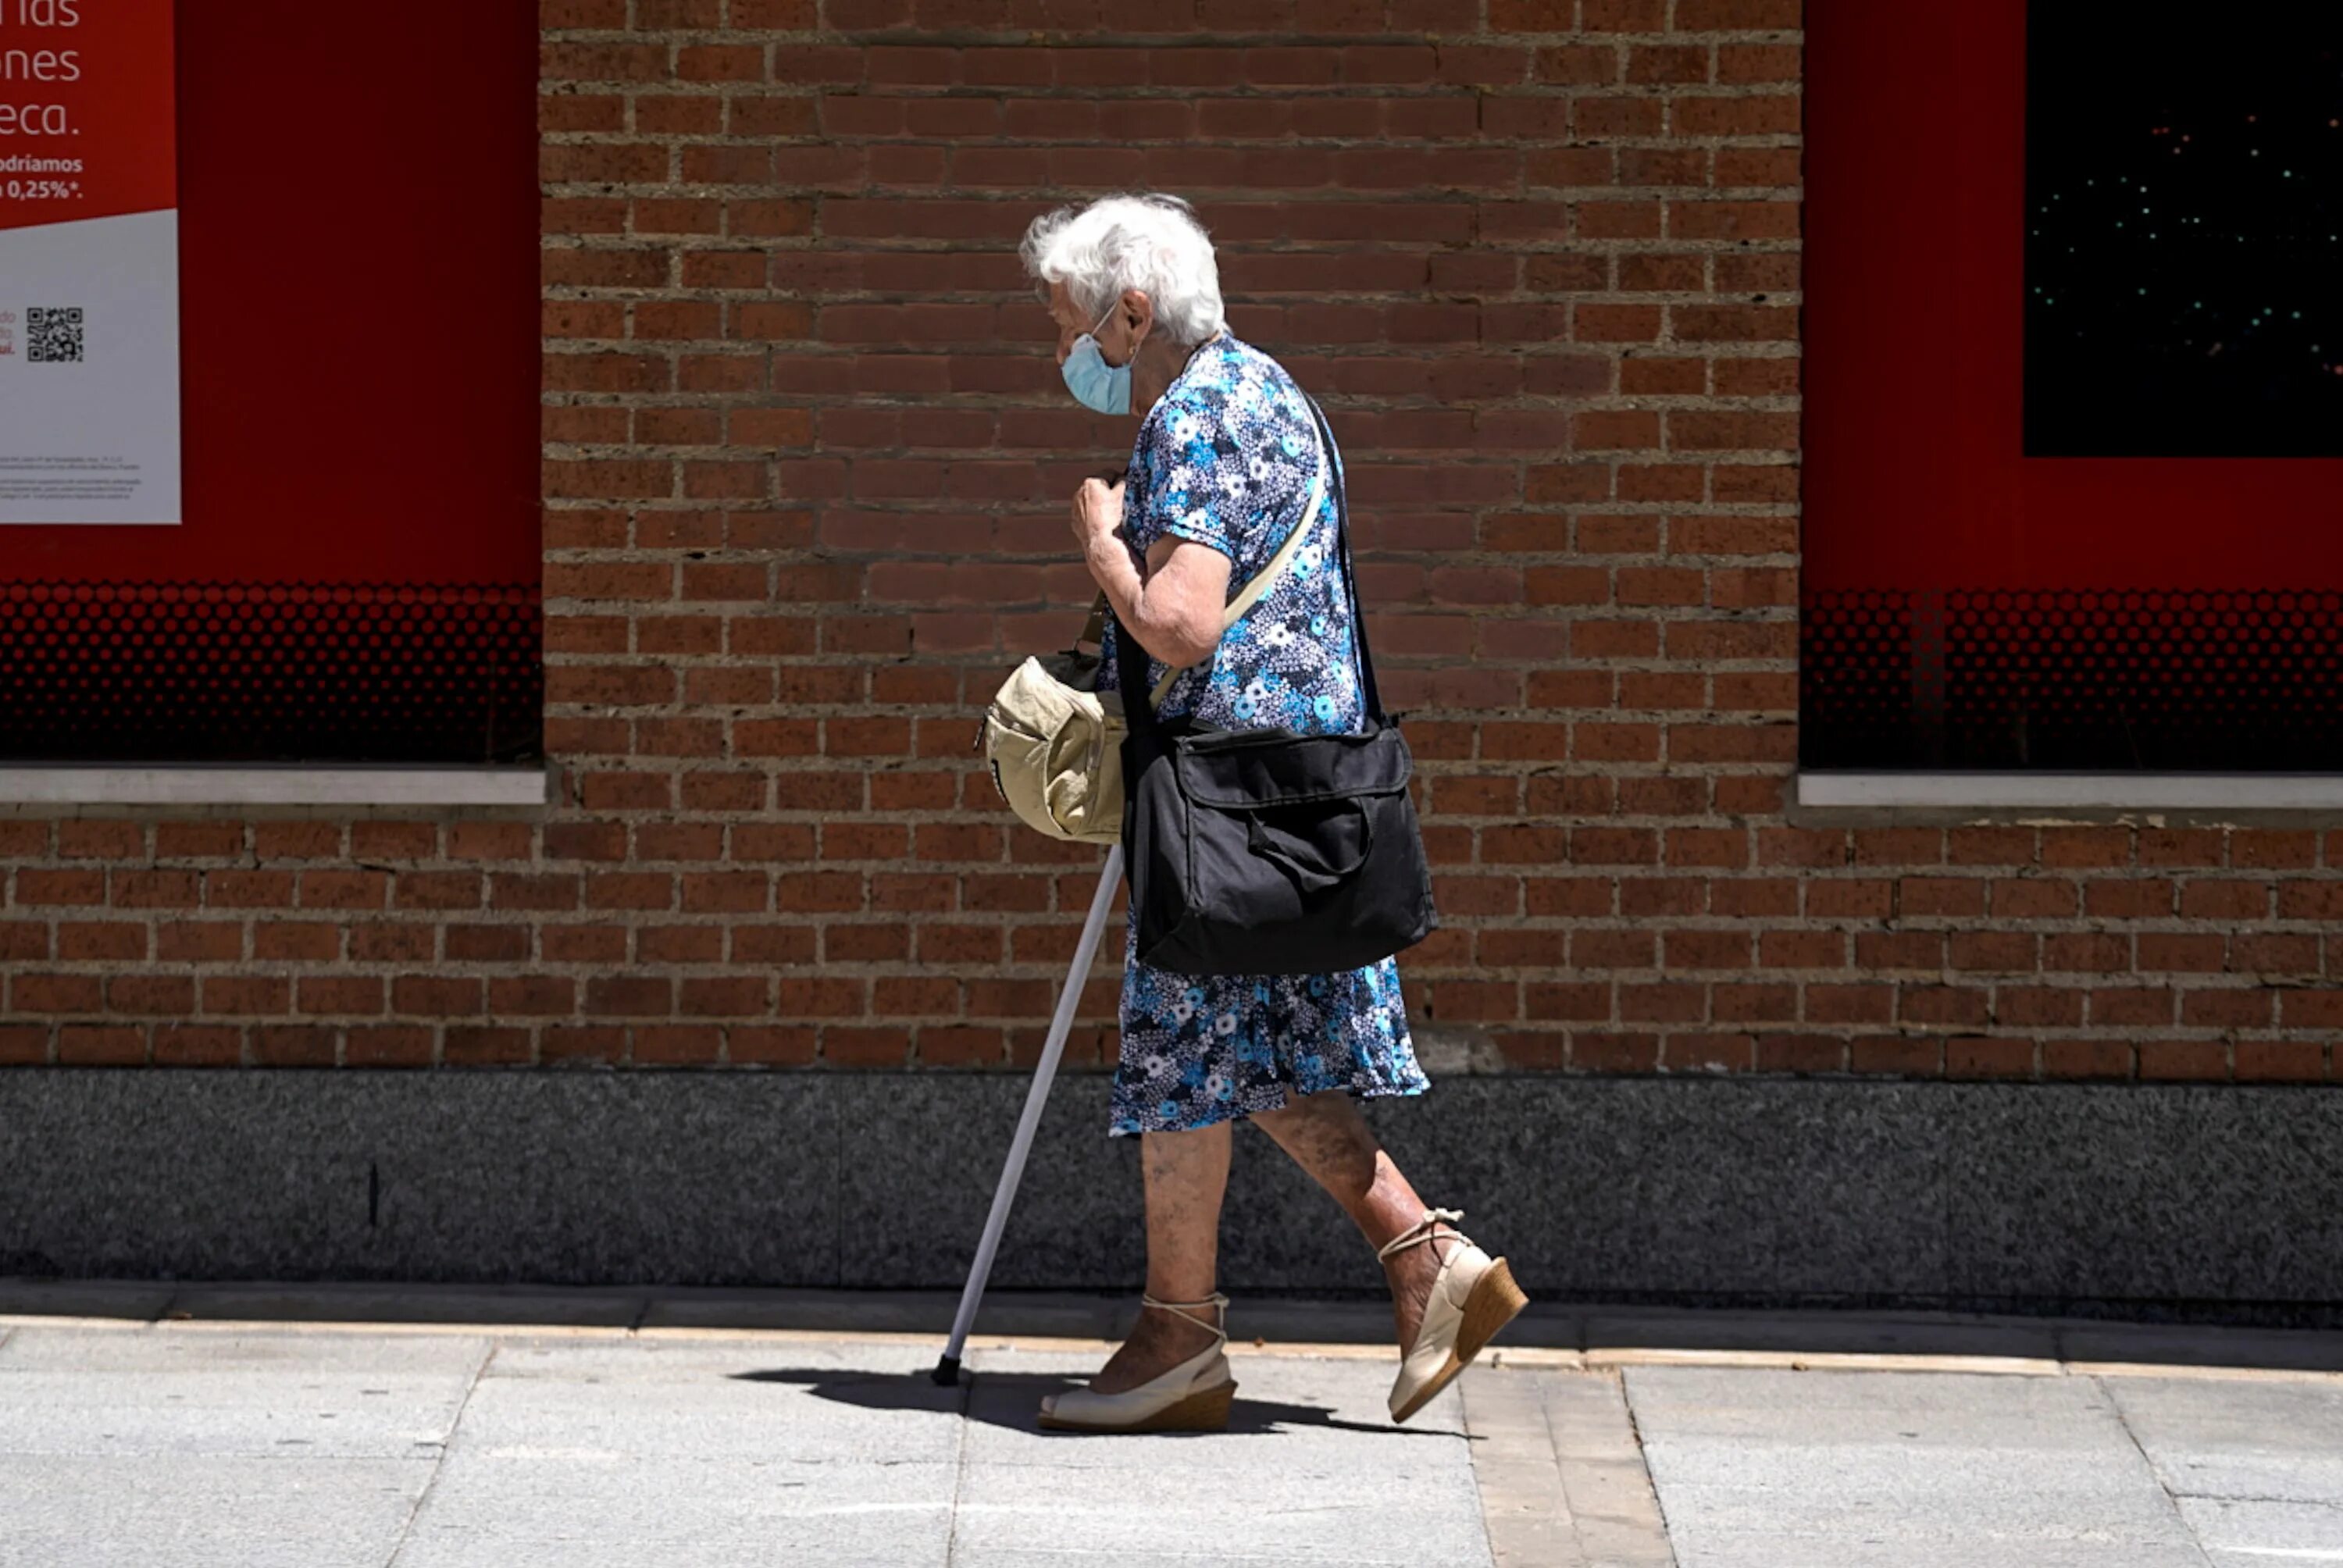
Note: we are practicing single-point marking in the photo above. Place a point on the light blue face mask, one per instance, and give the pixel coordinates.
(1097, 386)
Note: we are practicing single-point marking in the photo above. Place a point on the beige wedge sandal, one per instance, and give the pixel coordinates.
(1472, 1296)
(1192, 1397)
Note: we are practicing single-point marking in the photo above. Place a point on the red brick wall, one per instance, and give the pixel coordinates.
(806, 464)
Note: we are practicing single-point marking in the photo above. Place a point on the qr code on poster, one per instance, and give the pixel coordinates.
(54, 335)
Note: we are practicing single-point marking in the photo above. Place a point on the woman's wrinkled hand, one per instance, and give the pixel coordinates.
(1098, 513)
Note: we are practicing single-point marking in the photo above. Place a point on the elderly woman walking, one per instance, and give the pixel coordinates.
(1222, 470)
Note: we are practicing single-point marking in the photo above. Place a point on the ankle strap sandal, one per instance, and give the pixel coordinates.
(1472, 1296)
(1193, 1396)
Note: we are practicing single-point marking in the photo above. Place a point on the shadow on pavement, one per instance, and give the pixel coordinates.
(1012, 1399)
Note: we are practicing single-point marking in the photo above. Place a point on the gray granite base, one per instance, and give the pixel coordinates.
(1707, 1191)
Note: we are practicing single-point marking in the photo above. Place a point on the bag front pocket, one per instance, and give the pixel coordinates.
(1315, 843)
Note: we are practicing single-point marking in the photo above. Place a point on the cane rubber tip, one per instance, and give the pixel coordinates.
(946, 1372)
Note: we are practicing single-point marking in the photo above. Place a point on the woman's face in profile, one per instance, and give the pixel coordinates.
(1113, 335)
(1062, 312)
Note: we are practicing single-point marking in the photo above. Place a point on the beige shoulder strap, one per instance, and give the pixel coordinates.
(1094, 628)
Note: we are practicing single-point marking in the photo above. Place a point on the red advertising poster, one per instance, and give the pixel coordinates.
(89, 275)
(356, 573)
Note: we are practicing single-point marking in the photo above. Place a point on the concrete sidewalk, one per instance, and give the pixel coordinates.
(198, 1426)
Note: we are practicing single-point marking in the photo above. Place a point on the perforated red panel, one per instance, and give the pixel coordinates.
(1919, 496)
(269, 672)
(2202, 681)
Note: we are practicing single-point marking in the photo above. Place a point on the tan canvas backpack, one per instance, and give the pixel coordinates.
(1055, 740)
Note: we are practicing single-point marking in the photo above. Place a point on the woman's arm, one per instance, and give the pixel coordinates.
(1174, 606)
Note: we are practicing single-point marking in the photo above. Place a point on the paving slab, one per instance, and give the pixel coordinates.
(1755, 1467)
(712, 1400)
(219, 1443)
(205, 1511)
(498, 1505)
(139, 1447)
(1562, 1477)
(1311, 1471)
(2261, 1532)
(1602, 1471)
(2276, 1440)
(1801, 1549)
(105, 1394)
(598, 1452)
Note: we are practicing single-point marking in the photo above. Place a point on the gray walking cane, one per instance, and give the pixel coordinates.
(947, 1371)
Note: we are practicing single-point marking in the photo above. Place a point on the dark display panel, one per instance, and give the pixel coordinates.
(2183, 230)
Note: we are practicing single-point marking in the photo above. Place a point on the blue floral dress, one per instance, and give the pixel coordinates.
(1226, 458)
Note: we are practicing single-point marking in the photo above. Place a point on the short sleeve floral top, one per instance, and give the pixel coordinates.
(1226, 458)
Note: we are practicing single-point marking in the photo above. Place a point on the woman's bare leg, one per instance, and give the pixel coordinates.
(1327, 1137)
(1187, 1174)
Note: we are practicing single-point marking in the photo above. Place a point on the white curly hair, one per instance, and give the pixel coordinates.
(1146, 241)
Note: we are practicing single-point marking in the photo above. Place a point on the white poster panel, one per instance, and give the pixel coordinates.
(89, 264)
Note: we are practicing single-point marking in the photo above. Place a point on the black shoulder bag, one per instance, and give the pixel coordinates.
(1269, 852)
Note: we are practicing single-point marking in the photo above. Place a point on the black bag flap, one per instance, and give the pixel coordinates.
(1236, 769)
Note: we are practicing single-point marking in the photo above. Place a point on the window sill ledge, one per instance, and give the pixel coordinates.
(2073, 796)
(189, 784)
